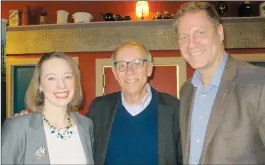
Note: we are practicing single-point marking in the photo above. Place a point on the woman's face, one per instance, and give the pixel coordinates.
(57, 82)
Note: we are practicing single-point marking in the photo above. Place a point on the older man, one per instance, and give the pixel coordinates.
(137, 125)
(223, 106)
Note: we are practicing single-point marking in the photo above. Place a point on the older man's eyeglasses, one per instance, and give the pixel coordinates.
(122, 66)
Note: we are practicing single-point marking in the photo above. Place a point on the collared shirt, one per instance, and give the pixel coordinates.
(138, 108)
(202, 107)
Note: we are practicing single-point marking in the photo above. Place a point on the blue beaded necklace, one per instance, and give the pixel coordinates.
(63, 133)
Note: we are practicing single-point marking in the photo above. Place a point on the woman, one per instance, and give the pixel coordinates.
(52, 134)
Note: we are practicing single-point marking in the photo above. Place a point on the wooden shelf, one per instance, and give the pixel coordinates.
(247, 32)
(126, 23)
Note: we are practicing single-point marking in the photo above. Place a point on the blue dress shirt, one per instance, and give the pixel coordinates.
(202, 107)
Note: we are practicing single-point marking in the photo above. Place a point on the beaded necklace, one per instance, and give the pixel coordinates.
(62, 133)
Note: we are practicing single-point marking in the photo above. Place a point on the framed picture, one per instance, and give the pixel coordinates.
(18, 75)
(3, 78)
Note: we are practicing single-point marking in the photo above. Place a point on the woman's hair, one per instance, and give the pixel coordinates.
(34, 99)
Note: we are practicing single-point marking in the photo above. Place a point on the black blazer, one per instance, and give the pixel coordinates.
(104, 108)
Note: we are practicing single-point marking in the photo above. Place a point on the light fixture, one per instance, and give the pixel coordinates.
(142, 9)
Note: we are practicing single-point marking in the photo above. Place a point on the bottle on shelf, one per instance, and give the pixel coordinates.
(25, 16)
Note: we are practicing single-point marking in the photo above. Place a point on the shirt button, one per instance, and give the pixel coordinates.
(200, 117)
(203, 95)
(198, 141)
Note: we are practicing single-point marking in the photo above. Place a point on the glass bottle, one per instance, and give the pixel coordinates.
(25, 16)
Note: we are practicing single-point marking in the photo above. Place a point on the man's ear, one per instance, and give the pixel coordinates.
(220, 31)
(150, 69)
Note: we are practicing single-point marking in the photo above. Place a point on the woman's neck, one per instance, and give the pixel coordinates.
(56, 116)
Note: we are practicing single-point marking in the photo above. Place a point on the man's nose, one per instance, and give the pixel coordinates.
(191, 41)
(130, 70)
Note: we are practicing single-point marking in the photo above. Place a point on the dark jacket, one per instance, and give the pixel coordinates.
(104, 108)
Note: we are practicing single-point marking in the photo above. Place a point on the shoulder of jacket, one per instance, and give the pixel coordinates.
(82, 118)
(106, 98)
(167, 97)
(19, 122)
(249, 74)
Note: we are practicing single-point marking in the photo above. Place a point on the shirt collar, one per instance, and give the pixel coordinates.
(196, 81)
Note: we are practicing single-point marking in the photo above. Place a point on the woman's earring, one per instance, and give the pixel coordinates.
(40, 97)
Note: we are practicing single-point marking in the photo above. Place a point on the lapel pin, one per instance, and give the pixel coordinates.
(40, 152)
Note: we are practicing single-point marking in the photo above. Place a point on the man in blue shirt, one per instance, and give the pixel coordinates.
(222, 114)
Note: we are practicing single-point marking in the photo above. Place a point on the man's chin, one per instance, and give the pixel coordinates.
(131, 92)
(197, 66)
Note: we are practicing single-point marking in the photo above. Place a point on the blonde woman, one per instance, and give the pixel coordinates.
(52, 134)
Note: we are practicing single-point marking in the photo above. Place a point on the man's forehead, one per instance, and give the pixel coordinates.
(131, 49)
(195, 17)
(196, 20)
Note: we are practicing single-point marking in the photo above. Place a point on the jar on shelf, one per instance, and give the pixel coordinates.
(43, 18)
(159, 15)
(166, 15)
(245, 9)
(221, 8)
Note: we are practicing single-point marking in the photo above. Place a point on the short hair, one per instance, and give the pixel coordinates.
(34, 98)
(192, 7)
(135, 44)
